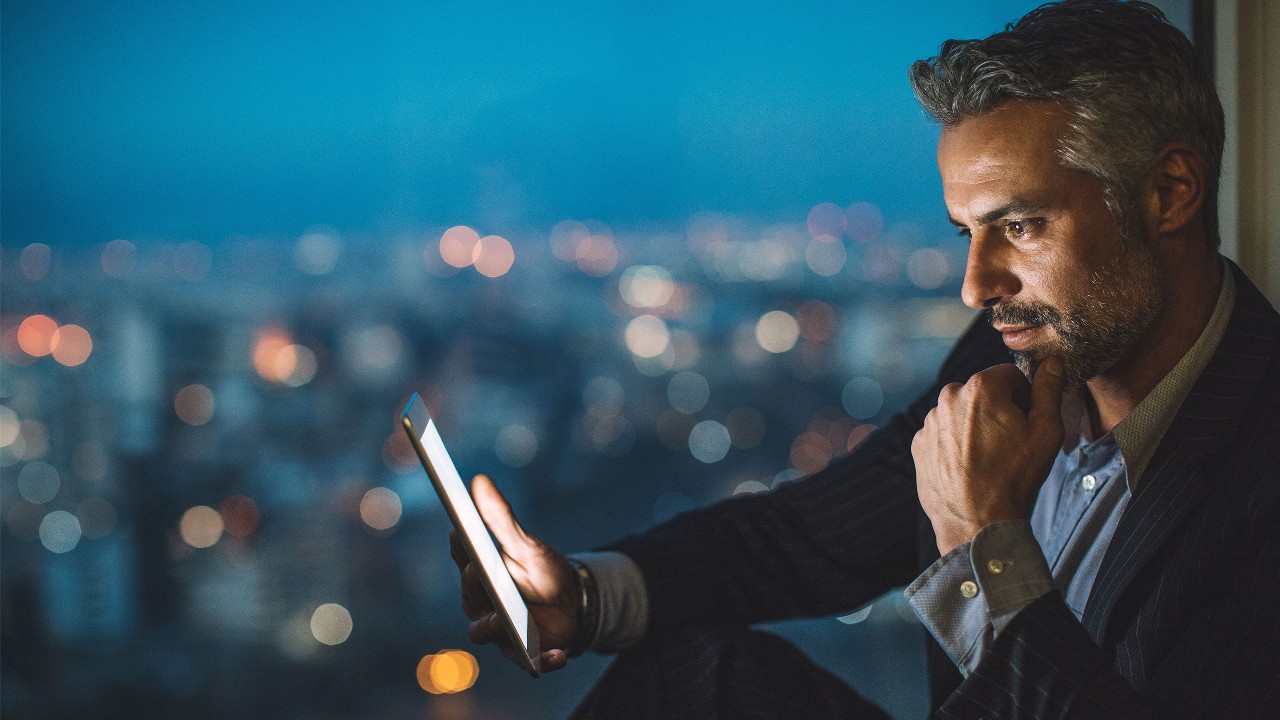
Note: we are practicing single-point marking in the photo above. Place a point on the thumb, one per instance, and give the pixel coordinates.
(1046, 393)
(498, 516)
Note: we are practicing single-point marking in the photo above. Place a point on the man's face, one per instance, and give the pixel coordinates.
(1046, 258)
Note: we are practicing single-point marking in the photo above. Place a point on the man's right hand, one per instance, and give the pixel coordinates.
(544, 577)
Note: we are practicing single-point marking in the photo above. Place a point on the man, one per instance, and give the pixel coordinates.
(1093, 532)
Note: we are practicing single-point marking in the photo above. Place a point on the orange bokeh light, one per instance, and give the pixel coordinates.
(35, 335)
(397, 453)
(71, 345)
(240, 515)
(274, 357)
(448, 672)
(810, 452)
(860, 433)
(193, 404)
(817, 320)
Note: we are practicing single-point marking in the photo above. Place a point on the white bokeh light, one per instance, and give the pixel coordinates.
(331, 624)
(647, 336)
(60, 531)
(777, 331)
(709, 441)
(316, 253)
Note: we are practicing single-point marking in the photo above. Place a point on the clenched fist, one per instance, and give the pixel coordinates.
(986, 449)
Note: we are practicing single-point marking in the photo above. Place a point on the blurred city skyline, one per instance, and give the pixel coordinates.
(637, 258)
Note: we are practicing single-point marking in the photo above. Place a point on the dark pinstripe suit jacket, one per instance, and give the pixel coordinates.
(1183, 619)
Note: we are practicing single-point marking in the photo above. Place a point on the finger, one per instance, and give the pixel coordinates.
(510, 653)
(456, 551)
(552, 660)
(487, 629)
(1046, 394)
(948, 393)
(475, 601)
(498, 516)
(1022, 393)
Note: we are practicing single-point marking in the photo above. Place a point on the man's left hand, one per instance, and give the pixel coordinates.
(981, 457)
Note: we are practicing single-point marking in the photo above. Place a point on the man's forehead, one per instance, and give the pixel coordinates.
(1015, 143)
(1017, 126)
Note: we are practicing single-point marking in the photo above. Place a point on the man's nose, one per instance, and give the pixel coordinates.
(988, 278)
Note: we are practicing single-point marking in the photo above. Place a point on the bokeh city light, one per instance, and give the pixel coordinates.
(331, 624)
(60, 532)
(194, 404)
(448, 672)
(647, 336)
(458, 246)
(35, 335)
(777, 331)
(71, 345)
(240, 516)
(493, 256)
(35, 260)
(201, 526)
(380, 508)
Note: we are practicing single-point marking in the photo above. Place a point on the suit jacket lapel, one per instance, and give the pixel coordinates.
(1175, 479)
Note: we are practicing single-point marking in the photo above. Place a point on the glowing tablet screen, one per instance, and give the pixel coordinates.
(468, 518)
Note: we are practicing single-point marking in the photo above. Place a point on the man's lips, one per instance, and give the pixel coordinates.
(1019, 337)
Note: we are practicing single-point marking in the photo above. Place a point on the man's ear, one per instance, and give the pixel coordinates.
(1179, 184)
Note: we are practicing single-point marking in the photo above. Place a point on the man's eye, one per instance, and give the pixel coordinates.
(964, 233)
(1015, 228)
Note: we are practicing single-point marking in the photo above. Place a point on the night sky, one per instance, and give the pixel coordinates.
(204, 120)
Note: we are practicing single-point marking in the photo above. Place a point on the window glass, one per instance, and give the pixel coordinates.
(636, 257)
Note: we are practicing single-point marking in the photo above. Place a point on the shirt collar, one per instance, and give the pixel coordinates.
(1140, 433)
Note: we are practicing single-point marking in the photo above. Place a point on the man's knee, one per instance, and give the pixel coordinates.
(720, 671)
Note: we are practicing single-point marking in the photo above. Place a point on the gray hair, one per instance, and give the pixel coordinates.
(1130, 81)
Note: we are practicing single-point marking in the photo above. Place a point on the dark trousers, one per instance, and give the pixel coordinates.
(719, 673)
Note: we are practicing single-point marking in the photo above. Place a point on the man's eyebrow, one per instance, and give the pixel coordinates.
(1016, 206)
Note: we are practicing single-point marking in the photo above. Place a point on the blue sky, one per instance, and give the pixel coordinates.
(203, 120)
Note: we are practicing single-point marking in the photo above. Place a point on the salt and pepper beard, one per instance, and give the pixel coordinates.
(1102, 325)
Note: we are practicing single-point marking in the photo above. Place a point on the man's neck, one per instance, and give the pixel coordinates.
(1116, 392)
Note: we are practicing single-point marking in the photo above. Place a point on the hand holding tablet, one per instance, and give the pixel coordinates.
(521, 597)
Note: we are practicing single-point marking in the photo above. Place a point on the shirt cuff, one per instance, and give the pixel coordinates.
(946, 599)
(974, 591)
(624, 600)
(1010, 569)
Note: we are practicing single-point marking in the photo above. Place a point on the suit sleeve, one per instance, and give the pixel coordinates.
(823, 544)
(1222, 665)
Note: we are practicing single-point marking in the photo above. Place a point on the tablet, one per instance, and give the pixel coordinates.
(475, 536)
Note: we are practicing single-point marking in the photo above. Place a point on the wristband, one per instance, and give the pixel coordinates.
(588, 610)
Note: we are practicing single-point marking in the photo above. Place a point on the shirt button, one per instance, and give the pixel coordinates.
(995, 566)
(1088, 482)
(969, 589)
